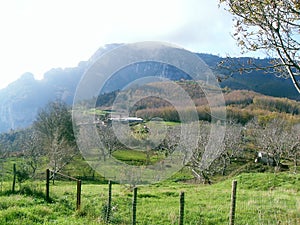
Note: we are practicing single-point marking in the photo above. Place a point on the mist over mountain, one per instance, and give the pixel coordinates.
(21, 100)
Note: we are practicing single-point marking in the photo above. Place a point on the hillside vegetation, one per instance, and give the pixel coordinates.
(241, 105)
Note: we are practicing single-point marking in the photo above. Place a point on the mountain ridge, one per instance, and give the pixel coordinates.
(21, 100)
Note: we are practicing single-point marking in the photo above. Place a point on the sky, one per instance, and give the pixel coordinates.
(37, 35)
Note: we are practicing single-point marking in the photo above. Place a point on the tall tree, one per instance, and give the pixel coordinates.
(272, 26)
(55, 129)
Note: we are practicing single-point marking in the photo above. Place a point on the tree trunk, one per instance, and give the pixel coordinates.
(224, 165)
(295, 163)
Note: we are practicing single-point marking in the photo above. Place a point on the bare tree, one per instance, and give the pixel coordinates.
(232, 144)
(60, 152)
(55, 130)
(170, 142)
(272, 26)
(294, 145)
(273, 140)
(32, 150)
(195, 164)
(110, 142)
(206, 159)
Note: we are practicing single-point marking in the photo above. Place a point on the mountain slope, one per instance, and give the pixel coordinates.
(21, 100)
(256, 80)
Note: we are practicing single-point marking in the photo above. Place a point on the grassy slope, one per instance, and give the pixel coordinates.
(263, 198)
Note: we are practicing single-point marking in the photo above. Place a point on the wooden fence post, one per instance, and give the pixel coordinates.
(134, 203)
(14, 178)
(233, 203)
(181, 209)
(108, 202)
(78, 195)
(47, 185)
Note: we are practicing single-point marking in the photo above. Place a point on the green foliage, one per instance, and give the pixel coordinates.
(55, 119)
(106, 99)
(11, 142)
(22, 174)
(167, 113)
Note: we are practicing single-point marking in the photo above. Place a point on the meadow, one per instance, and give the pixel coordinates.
(262, 198)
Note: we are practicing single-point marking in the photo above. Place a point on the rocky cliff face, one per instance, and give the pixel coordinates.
(21, 100)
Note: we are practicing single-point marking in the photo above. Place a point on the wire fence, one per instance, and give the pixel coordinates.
(270, 206)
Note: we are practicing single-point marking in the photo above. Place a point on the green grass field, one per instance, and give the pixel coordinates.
(135, 157)
(262, 198)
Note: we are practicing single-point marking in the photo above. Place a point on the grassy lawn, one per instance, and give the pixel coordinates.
(136, 157)
(264, 198)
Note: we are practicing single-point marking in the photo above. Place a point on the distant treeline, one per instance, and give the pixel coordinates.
(235, 114)
(282, 105)
(241, 105)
